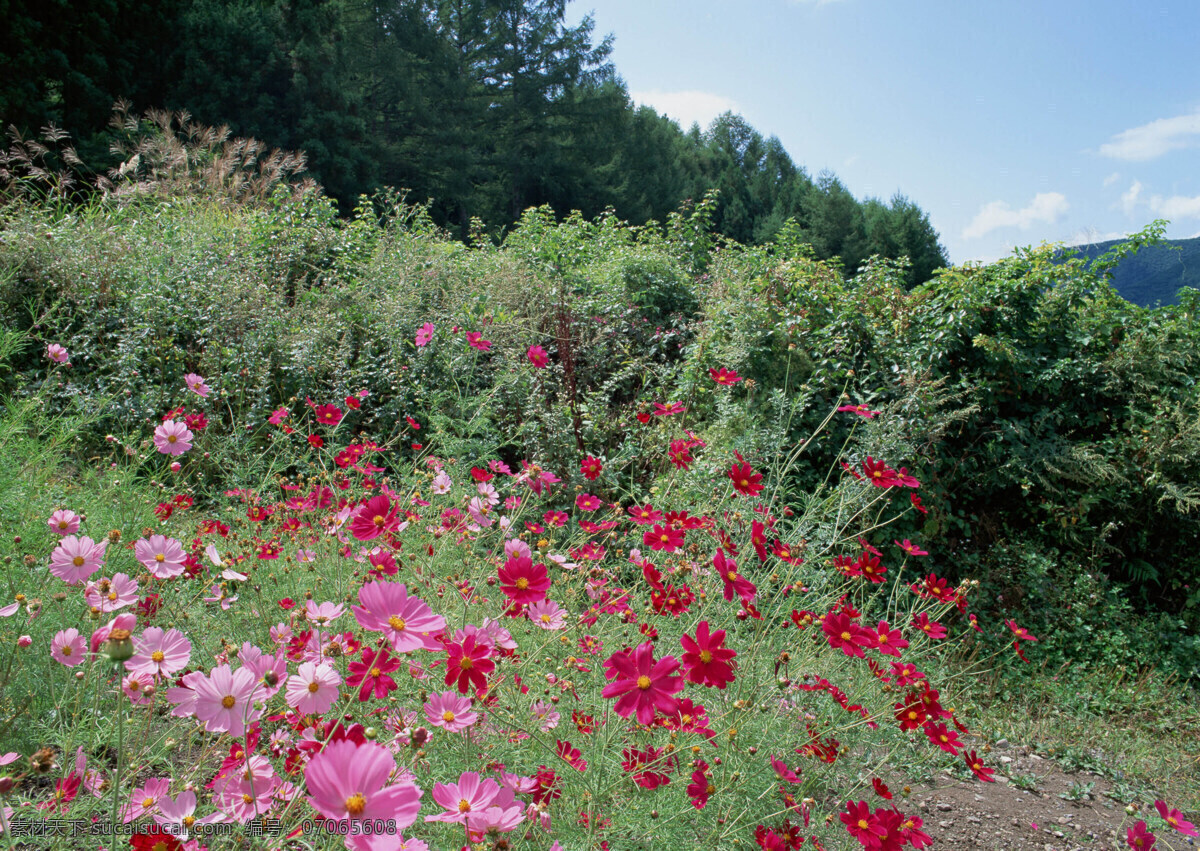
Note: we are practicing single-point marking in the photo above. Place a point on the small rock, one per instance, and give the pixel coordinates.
(1006, 759)
(945, 823)
(980, 798)
(1001, 779)
(1002, 744)
(943, 807)
(974, 820)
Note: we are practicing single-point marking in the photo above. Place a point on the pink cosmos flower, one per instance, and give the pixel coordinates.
(587, 502)
(642, 684)
(64, 522)
(465, 800)
(347, 782)
(144, 799)
(450, 711)
(125, 620)
(247, 793)
(57, 353)
(475, 341)
(407, 622)
(323, 613)
(176, 814)
(75, 559)
(173, 438)
(313, 689)
(162, 556)
(424, 335)
(67, 647)
(1139, 837)
(546, 714)
(158, 653)
(196, 384)
(538, 357)
(225, 700)
(108, 595)
(725, 376)
(546, 614)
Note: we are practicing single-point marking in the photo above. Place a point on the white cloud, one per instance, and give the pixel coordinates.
(1129, 199)
(687, 107)
(1154, 139)
(1045, 207)
(1091, 235)
(1176, 207)
(1111, 179)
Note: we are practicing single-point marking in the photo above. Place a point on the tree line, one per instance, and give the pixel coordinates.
(485, 107)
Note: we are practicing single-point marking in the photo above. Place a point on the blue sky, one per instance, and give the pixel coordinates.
(1010, 122)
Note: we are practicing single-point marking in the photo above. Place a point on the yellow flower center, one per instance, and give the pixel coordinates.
(466, 664)
(396, 623)
(160, 558)
(356, 803)
(188, 821)
(448, 716)
(705, 656)
(147, 802)
(643, 682)
(375, 672)
(846, 636)
(863, 824)
(171, 438)
(545, 619)
(63, 524)
(66, 651)
(247, 798)
(379, 520)
(157, 656)
(522, 583)
(464, 806)
(77, 561)
(314, 687)
(112, 595)
(228, 701)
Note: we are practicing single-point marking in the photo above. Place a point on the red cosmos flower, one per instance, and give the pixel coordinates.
(879, 474)
(328, 414)
(413, 424)
(558, 519)
(667, 539)
(643, 417)
(881, 789)
(1175, 818)
(644, 515)
(538, 357)
(976, 765)
(1139, 837)
(671, 600)
(481, 475)
(681, 454)
(868, 565)
(1019, 632)
(587, 502)
(862, 410)
(889, 641)
(910, 548)
(522, 581)
(636, 762)
(591, 467)
(910, 714)
(745, 480)
(155, 838)
(784, 772)
(911, 833)
(705, 660)
(726, 377)
(916, 503)
(571, 755)
(353, 402)
(934, 587)
(468, 663)
(942, 736)
(701, 786)
(371, 674)
(642, 684)
(475, 341)
(668, 410)
(863, 825)
(906, 673)
(735, 584)
(847, 636)
(376, 516)
(316, 441)
(931, 628)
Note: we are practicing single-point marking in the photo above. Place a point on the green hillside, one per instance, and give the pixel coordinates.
(1155, 274)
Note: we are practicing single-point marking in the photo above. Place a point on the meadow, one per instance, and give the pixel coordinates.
(326, 533)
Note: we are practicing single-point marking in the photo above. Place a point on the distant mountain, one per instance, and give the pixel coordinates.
(1154, 274)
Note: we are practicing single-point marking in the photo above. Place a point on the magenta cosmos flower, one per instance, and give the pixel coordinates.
(537, 356)
(376, 516)
(64, 522)
(68, 647)
(450, 711)
(196, 384)
(468, 664)
(424, 335)
(313, 689)
(522, 581)
(642, 684)
(349, 782)
(407, 622)
(159, 653)
(162, 556)
(173, 438)
(225, 700)
(75, 559)
(372, 674)
(57, 353)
